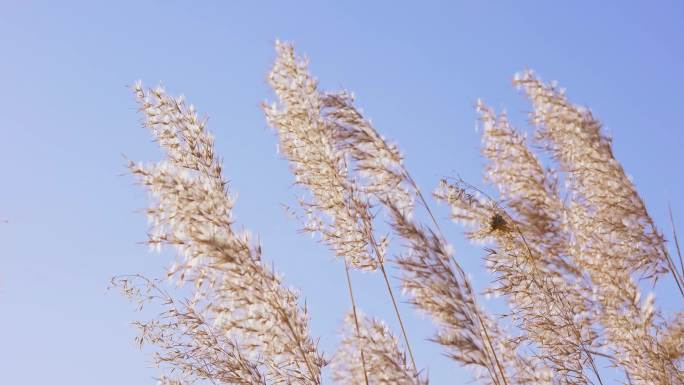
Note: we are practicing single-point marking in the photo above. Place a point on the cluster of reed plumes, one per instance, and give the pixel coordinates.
(568, 257)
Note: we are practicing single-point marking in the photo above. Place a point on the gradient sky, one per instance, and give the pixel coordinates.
(417, 69)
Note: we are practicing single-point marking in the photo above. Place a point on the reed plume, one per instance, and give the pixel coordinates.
(336, 209)
(340, 207)
(613, 234)
(244, 305)
(385, 362)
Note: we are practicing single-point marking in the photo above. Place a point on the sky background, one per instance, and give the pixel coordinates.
(417, 69)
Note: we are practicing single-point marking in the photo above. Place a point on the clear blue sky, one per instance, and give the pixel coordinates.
(417, 69)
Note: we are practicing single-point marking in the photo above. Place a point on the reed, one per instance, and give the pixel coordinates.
(568, 258)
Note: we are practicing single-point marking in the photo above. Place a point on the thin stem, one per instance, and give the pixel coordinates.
(413, 184)
(674, 234)
(368, 227)
(356, 319)
(675, 273)
(381, 262)
(396, 310)
(491, 347)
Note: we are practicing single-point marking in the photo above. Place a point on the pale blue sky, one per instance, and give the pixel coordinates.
(417, 69)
